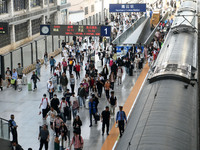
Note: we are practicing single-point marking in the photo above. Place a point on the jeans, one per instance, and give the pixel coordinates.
(63, 116)
(35, 85)
(50, 95)
(72, 88)
(99, 92)
(38, 72)
(74, 112)
(107, 127)
(81, 100)
(52, 68)
(121, 127)
(107, 94)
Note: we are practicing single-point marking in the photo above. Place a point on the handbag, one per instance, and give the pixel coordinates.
(97, 116)
(12, 81)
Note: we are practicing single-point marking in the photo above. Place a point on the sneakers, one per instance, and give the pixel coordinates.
(90, 126)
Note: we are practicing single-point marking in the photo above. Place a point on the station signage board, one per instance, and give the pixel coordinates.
(75, 30)
(4, 26)
(127, 8)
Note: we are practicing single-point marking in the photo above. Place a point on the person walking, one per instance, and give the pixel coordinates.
(45, 59)
(105, 119)
(50, 89)
(34, 77)
(38, 67)
(19, 71)
(81, 95)
(64, 81)
(120, 118)
(72, 82)
(52, 62)
(77, 69)
(77, 141)
(107, 88)
(119, 75)
(57, 125)
(64, 64)
(92, 111)
(44, 137)
(113, 103)
(52, 113)
(63, 105)
(44, 106)
(13, 128)
(75, 105)
(112, 80)
(77, 124)
(62, 141)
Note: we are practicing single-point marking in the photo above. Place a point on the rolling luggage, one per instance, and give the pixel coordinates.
(30, 86)
(97, 116)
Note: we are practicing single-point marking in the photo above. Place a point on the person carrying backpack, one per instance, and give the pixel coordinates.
(78, 142)
(44, 105)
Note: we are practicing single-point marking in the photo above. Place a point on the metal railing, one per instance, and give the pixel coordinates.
(121, 38)
(4, 129)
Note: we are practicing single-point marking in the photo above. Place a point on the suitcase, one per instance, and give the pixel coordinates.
(24, 80)
(30, 86)
(140, 65)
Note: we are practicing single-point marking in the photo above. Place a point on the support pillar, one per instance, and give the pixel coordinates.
(29, 28)
(10, 8)
(12, 34)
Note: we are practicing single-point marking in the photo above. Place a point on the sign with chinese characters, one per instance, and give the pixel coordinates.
(4, 27)
(127, 8)
(75, 30)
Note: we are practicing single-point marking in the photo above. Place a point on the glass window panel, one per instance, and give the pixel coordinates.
(41, 48)
(19, 4)
(16, 55)
(27, 55)
(3, 6)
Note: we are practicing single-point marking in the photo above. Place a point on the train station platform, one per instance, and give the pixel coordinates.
(25, 106)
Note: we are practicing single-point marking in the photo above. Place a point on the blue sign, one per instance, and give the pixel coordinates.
(127, 8)
(105, 30)
(125, 48)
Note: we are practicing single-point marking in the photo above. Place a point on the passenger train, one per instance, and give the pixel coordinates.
(166, 115)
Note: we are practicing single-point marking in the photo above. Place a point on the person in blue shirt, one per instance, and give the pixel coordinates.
(120, 118)
(14, 76)
(52, 62)
(92, 110)
(13, 128)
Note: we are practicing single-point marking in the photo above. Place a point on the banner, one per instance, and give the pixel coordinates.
(127, 8)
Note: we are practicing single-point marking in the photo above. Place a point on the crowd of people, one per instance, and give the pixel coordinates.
(77, 57)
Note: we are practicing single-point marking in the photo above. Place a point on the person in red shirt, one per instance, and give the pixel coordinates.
(78, 69)
(64, 64)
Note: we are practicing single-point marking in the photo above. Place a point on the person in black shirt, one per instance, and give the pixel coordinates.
(34, 77)
(105, 119)
(55, 103)
(77, 124)
(113, 102)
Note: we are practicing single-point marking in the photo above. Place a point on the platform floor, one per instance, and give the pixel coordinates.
(25, 106)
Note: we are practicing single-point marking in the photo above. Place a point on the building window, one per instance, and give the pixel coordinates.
(19, 5)
(35, 3)
(50, 1)
(36, 26)
(63, 2)
(21, 31)
(5, 39)
(92, 8)
(3, 7)
(86, 10)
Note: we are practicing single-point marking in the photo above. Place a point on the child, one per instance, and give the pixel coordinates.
(19, 83)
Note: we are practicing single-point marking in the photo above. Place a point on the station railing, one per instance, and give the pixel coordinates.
(4, 129)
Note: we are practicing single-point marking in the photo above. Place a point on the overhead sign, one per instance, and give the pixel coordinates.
(75, 30)
(4, 26)
(127, 8)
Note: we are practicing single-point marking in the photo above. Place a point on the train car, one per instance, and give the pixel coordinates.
(165, 116)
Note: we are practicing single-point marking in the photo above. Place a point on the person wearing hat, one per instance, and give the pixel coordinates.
(120, 118)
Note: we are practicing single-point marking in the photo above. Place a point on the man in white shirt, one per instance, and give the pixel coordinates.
(43, 105)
